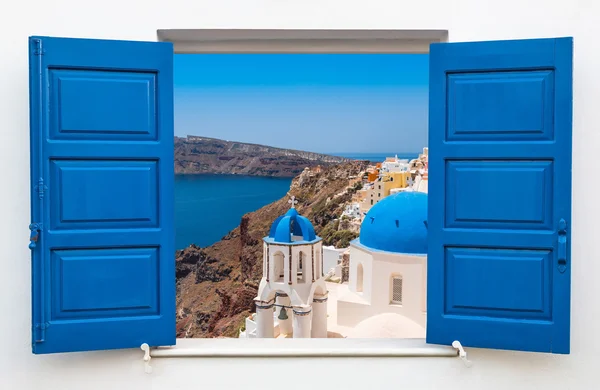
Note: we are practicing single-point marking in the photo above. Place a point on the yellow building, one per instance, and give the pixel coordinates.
(381, 188)
(394, 180)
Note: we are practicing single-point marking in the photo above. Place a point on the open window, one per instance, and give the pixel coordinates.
(279, 266)
(301, 271)
(102, 195)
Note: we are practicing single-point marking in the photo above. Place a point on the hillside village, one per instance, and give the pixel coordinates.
(383, 179)
(342, 292)
(377, 182)
(216, 285)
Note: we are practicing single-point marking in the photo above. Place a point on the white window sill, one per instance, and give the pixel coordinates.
(203, 348)
(302, 348)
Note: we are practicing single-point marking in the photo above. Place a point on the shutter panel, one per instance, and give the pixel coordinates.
(500, 194)
(102, 232)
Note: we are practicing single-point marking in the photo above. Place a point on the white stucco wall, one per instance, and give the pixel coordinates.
(331, 258)
(136, 19)
(360, 257)
(378, 269)
(411, 268)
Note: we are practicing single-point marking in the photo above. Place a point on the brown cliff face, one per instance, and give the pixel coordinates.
(208, 155)
(216, 285)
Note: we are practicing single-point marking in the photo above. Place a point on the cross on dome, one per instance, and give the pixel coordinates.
(410, 181)
(293, 202)
(288, 227)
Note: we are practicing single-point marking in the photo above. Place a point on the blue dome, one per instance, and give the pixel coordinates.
(398, 223)
(291, 222)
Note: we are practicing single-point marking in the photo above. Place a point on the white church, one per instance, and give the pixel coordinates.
(388, 271)
(292, 290)
(386, 291)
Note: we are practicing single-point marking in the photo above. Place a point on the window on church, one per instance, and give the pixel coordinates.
(359, 278)
(279, 268)
(300, 270)
(318, 265)
(397, 290)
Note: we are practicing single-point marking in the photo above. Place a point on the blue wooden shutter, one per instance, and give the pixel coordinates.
(500, 194)
(102, 233)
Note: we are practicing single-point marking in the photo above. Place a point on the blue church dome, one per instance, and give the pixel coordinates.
(398, 223)
(291, 223)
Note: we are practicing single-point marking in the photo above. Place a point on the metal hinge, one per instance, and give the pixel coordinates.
(45, 325)
(40, 331)
(39, 50)
(35, 228)
(40, 187)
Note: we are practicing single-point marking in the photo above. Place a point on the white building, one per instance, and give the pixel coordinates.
(421, 184)
(352, 211)
(332, 258)
(292, 284)
(388, 264)
(394, 164)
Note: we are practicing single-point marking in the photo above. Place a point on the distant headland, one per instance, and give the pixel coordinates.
(201, 155)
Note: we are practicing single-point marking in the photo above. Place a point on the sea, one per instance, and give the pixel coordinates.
(207, 207)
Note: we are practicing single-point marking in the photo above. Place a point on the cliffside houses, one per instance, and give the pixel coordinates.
(392, 176)
(352, 211)
(393, 164)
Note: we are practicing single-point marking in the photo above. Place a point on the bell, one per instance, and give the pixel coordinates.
(282, 314)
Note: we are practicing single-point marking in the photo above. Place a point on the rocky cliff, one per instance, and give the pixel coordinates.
(208, 155)
(216, 285)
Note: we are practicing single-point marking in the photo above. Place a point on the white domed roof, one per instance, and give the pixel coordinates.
(387, 326)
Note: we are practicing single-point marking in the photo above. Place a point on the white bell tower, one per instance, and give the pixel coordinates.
(293, 283)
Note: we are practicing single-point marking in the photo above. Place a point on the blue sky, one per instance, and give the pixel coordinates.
(328, 103)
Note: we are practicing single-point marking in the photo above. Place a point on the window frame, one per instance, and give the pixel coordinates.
(197, 41)
(189, 41)
(307, 41)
